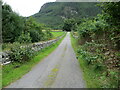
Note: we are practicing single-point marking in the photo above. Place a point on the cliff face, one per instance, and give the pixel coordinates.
(53, 14)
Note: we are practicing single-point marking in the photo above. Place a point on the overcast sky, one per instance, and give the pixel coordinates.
(26, 7)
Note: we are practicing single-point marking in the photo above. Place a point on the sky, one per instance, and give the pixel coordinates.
(26, 7)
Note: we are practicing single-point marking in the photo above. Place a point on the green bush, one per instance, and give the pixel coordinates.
(35, 36)
(24, 38)
(95, 58)
(21, 54)
(47, 35)
(91, 53)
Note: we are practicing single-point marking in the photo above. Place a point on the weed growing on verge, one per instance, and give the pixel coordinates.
(93, 63)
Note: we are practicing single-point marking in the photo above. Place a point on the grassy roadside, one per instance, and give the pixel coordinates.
(74, 43)
(89, 75)
(11, 73)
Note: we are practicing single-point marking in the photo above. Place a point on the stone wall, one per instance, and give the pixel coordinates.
(4, 56)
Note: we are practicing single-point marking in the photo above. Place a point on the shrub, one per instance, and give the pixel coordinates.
(35, 36)
(47, 35)
(21, 54)
(24, 38)
(91, 53)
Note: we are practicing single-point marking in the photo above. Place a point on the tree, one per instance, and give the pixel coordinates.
(111, 12)
(12, 24)
(35, 29)
(69, 25)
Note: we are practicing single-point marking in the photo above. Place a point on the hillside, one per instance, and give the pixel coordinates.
(53, 14)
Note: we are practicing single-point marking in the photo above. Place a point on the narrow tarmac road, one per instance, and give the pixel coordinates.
(58, 70)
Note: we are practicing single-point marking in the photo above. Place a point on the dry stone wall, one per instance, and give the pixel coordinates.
(4, 56)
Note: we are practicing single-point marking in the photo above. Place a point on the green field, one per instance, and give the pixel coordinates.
(11, 74)
(57, 34)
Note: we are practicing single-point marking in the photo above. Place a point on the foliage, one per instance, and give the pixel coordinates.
(69, 25)
(98, 29)
(21, 29)
(11, 30)
(97, 62)
(31, 24)
(92, 59)
(88, 74)
(91, 27)
(35, 36)
(47, 35)
(92, 54)
(7, 46)
(100, 42)
(35, 29)
(112, 10)
(24, 38)
(21, 54)
(112, 17)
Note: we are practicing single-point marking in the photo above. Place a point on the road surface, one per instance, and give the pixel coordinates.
(58, 70)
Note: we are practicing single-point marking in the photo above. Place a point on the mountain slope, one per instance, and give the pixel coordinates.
(53, 14)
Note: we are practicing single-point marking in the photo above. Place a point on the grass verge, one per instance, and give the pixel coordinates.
(10, 73)
(90, 76)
